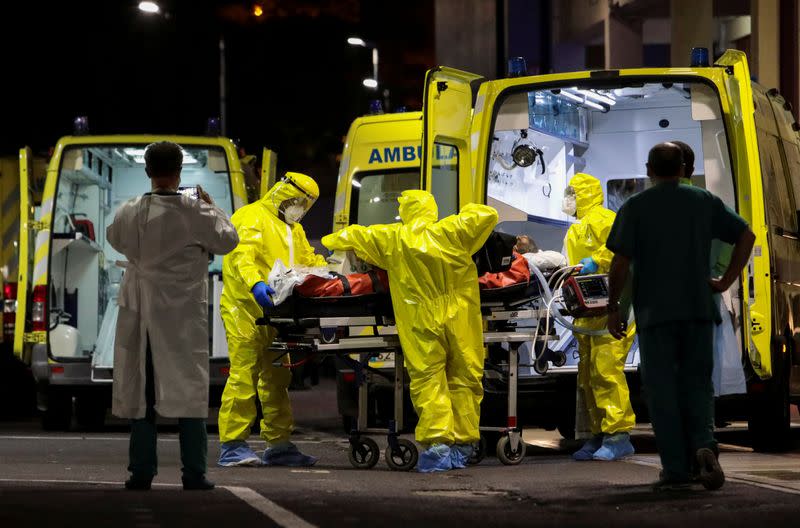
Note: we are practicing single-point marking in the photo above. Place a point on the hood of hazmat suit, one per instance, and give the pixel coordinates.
(264, 238)
(163, 297)
(601, 374)
(434, 287)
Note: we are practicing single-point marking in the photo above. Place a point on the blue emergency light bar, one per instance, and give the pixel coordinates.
(517, 67)
(699, 58)
(375, 107)
(214, 126)
(80, 126)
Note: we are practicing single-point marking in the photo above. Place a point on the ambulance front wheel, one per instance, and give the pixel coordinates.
(404, 457)
(364, 453)
(507, 454)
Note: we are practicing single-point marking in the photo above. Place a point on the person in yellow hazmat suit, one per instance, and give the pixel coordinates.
(269, 229)
(434, 286)
(601, 376)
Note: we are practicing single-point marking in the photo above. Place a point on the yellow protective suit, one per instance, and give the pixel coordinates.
(436, 304)
(601, 374)
(263, 239)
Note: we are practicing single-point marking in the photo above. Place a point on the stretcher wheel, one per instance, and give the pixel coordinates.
(328, 335)
(478, 452)
(404, 458)
(559, 359)
(507, 455)
(364, 453)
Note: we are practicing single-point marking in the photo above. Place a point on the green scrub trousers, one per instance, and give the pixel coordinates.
(677, 360)
(142, 449)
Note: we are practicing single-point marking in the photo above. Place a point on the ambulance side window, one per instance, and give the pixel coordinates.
(374, 195)
(779, 205)
(444, 179)
(780, 211)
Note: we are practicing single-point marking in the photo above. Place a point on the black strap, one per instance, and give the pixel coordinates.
(377, 285)
(345, 283)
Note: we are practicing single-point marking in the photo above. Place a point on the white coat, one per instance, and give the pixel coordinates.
(163, 297)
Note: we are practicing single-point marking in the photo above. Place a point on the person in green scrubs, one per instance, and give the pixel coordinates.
(665, 235)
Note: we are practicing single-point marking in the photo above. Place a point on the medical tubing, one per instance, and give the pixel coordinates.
(548, 297)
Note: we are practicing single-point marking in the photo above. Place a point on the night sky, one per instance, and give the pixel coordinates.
(293, 83)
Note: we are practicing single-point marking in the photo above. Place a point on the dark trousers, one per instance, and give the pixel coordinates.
(142, 450)
(677, 360)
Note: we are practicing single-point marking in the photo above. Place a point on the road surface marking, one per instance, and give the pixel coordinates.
(729, 477)
(277, 514)
(309, 471)
(91, 482)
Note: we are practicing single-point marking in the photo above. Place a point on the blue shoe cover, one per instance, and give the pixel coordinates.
(287, 455)
(589, 448)
(234, 454)
(460, 455)
(435, 458)
(615, 447)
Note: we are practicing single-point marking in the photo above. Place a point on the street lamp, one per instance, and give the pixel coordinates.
(357, 41)
(152, 8)
(149, 7)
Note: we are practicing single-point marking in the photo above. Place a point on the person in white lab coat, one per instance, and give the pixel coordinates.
(161, 345)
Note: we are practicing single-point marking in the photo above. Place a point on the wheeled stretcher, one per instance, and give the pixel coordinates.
(334, 326)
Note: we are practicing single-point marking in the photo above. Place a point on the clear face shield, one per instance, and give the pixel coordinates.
(569, 205)
(294, 209)
(291, 201)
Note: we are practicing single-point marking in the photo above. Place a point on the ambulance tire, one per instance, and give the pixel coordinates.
(770, 411)
(58, 415)
(90, 412)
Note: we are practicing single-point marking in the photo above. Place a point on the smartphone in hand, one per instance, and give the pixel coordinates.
(191, 192)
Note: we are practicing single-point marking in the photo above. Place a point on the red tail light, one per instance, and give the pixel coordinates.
(9, 310)
(349, 377)
(38, 308)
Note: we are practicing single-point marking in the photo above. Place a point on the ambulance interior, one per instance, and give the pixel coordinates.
(543, 137)
(93, 181)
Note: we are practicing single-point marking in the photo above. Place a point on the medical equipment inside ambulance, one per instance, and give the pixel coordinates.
(85, 273)
(603, 127)
(586, 295)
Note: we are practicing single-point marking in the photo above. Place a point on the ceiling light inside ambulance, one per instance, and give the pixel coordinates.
(376, 199)
(149, 7)
(138, 156)
(355, 41)
(370, 83)
(600, 98)
(581, 100)
(356, 183)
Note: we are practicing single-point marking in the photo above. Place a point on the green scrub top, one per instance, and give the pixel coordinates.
(667, 232)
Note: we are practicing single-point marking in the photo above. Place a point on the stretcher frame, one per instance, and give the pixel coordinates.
(319, 336)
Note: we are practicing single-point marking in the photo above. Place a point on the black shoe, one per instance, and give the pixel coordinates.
(195, 484)
(665, 483)
(711, 474)
(138, 483)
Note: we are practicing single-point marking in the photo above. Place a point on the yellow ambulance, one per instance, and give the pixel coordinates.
(519, 140)
(380, 159)
(68, 278)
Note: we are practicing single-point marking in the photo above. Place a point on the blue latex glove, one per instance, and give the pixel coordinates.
(262, 293)
(589, 266)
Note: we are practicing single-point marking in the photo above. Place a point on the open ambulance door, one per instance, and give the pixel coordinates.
(447, 149)
(25, 264)
(269, 164)
(756, 292)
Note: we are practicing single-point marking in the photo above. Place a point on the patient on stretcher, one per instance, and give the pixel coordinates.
(319, 283)
(544, 260)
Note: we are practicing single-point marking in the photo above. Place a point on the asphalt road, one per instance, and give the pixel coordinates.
(75, 479)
